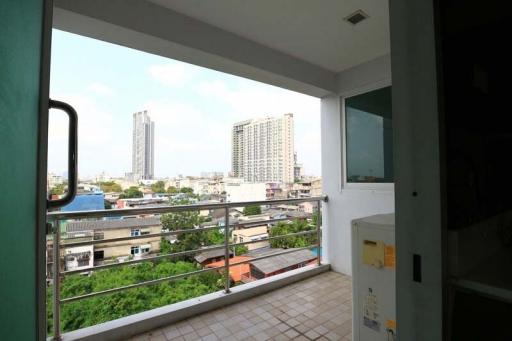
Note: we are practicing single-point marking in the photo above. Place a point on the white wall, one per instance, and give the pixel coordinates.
(346, 202)
(417, 167)
(239, 192)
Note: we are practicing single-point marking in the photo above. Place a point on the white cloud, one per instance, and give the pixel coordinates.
(187, 139)
(100, 145)
(252, 100)
(100, 89)
(172, 74)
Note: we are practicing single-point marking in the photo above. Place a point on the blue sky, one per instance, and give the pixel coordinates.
(193, 108)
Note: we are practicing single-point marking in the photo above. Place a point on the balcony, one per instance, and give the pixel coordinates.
(317, 308)
(275, 292)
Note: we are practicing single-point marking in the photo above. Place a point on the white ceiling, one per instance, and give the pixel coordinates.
(311, 30)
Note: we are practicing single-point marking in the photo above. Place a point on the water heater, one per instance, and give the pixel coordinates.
(373, 278)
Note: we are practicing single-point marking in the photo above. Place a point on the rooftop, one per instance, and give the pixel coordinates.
(269, 265)
(235, 271)
(76, 226)
(205, 255)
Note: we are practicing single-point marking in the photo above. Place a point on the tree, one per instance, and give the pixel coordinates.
(172, 190)
(88, 312)
(252, 210)
(296, 226)
(186, 190)
(132, 192)
(158, 187)
(58, 189)
(110, 186)
(185, 241)
(240, 250)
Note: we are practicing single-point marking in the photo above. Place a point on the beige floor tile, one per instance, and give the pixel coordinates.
(319, 307)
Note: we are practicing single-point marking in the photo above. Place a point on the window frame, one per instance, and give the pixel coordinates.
(132, 234)
(376, 186)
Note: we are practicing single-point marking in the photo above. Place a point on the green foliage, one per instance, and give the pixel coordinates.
(283, 228)
(314, 218)
(110, 186)
(158, 187)
(58, 189)
(132, 192)
(100, 309)
(187, 190)
(252, 210)
(240, 250)
(188, 241)
(172, 190)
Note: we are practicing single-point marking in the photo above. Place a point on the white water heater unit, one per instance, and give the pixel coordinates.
(373, 278)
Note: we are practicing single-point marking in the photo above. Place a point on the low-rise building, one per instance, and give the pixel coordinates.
(306, 188)
(109, 229)
(252, 234)
(235, 271)
(278, 264)
(239, 191)
(210, 256)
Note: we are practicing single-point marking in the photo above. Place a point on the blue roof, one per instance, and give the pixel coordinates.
(86, 202)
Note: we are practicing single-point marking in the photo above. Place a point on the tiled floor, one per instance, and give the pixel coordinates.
(318, 308)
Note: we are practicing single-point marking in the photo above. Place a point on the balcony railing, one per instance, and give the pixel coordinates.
(59, 244)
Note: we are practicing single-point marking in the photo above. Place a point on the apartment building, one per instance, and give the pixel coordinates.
(252, 234)
(143, 152)
(306, 188)
(263, 149)
(109, 229)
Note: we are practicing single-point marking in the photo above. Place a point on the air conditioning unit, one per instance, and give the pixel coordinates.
(373, 278)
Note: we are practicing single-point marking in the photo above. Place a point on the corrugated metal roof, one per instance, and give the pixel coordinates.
(76, 226)
(272, 264)
(205, 255)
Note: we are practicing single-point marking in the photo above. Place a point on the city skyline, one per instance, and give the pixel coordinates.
(193, 107)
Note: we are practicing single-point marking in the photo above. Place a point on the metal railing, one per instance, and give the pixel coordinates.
(54, 218)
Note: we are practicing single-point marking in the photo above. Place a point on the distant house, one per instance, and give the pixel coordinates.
(252, 234)
(108, 229)
(278, 264)
(210, 256)
(235, 271)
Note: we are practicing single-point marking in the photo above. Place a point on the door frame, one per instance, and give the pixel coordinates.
(42, 168)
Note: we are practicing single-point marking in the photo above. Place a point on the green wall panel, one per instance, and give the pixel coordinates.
(20, 55)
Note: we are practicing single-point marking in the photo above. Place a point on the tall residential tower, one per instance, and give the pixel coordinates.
(143, 148)
(262, 149)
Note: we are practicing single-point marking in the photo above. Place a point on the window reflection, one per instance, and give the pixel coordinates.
(369, 137)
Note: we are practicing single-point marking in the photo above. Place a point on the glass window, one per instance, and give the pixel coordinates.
(135, 232)
(369, 137)
(135, 250)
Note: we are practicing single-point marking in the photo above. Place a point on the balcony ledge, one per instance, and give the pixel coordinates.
(128, 326)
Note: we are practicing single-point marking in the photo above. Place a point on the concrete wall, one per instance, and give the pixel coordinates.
(417, 169)
(348, 202)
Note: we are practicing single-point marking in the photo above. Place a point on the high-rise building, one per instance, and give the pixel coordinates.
(298, 170)
(143, 152)
(237, 149)
(262, 149)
